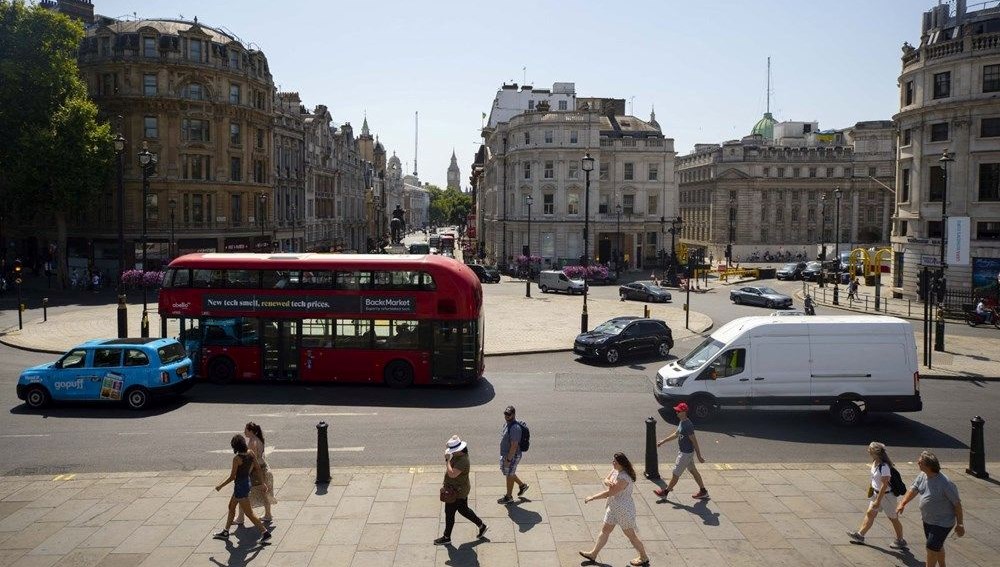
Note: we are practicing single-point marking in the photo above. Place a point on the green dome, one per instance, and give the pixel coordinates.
(765, 127)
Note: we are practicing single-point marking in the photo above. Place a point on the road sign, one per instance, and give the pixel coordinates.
(930, 261)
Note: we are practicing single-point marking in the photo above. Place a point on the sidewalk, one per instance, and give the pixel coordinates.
(761, 514)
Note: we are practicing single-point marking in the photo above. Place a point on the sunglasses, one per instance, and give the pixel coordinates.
(507, 414)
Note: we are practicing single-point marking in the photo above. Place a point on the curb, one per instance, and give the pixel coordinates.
(7, 343)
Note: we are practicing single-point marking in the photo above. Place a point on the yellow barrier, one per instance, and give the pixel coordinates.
(739, 273)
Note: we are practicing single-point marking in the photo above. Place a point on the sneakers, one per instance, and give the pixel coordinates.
(443, 540)
(224, 534)
(856, 537)
(524, 488)
(505, 500)
(899, 544)
(661, 492)
(703, 493)
(265, 537)
(482, 530)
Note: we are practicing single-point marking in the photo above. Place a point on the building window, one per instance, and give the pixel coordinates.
(234, 94)
(603, 176)
(904, 190)
(549, 170)
(795, 172)
(109, 83)
(652, 204)
(907, 136)
(236, 209)
(939, 132)
(872, 172)
(781, 172)
(602, 204)
(653, 172)
(628, 204)
(572, 203)
(149, 47)
(548, 204)
(562, 105)
(235, 138)
(258, 172)
(234, 59)
(193, 91)
(193, 130)
(848, 172)
(149, 84)
(871, 215)
(629, 171)
(988, 230)
(195, 167)
(811, 214)
(933, 229)
(908, 93)
(989, 128)
(235, 169)
(531, 104)
(260, 138)
(548, 136)
(991, 78)
(767, 172)
(936, 183)
(527, 138)
(812, 172)
(942, 85)
(989, 182)
(573, 136)
(527, 170)
(574, 170)
(104, 48)
(149, 127)
(829, 172)
(904, 228)
(194, 50)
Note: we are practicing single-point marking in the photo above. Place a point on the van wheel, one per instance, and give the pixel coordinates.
(700, 409)
(544, 288)
(847, 412)
(137, 398)
(221, 370)
(398, 374)
(612, 355)
(37, 397)
(663, 349)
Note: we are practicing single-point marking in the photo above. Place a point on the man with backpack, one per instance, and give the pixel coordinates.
(513, 442)
(885, 486)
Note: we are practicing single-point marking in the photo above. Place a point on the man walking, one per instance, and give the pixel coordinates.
(510, 454)
(688, 445)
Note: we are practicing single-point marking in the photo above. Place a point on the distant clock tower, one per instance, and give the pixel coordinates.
(454, 176)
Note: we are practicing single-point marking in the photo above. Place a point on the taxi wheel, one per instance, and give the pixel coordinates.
(37, 397)
(137, 398)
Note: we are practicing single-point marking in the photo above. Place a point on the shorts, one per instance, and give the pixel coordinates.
(684, 461)
(241, 488)
(509, 468)
(935, 536)
(888, 506)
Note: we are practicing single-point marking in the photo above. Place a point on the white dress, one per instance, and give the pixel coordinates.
(621, 507)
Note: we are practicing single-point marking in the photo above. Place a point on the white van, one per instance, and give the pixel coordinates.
(553, 280)
(851, 364)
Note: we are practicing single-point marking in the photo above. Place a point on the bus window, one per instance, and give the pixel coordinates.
(427, 282)
(404, 335)
(314, 280)
(382, 330)
(241, 279)
(353, 280)
(317, 333)
(274, 279)
(206, 278)
(398, 280)
(354, 333)
(177, 277)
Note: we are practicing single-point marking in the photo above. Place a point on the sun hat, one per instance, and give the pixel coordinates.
(681, 407)
(454, 445)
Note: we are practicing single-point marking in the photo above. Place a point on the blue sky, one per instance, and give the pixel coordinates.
(701, 63)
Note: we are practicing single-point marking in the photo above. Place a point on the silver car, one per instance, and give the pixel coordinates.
(759, 295)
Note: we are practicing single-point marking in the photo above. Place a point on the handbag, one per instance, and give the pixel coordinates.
(448, 494)
(256, 473)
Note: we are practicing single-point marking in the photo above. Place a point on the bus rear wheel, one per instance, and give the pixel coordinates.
(398, 374)
(221, 370)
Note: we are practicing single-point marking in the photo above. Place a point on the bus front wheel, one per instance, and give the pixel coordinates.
(399, 374)
(221, 370)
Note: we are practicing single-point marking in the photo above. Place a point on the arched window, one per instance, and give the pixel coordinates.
(193, 91)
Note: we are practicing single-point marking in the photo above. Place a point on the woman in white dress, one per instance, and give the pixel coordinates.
(620, 511)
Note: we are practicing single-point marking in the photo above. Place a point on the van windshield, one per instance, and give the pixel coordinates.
(702, 354)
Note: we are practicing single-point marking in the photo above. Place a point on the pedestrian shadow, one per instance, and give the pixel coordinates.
(905, 556)
(522, 518)
(464, 555)
(242, 554)
(700, 509)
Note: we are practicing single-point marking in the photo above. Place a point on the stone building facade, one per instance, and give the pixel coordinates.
(777, 195)
(949, 89)
(321, 179)
(293, 206)
(538, 153)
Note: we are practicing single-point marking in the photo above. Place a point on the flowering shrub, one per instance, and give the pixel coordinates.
(524, 260)
(596, 272)
(138, 278)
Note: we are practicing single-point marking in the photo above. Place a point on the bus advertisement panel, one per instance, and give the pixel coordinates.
(392, 319)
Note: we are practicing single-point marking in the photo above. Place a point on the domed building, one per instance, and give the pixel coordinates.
(764, 127)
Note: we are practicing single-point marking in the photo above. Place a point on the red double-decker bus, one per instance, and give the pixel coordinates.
(392, 319)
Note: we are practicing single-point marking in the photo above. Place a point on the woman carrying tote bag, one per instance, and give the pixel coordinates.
(455, 490)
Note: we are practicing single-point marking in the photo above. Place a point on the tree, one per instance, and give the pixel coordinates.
(55, 154)
(448, 206)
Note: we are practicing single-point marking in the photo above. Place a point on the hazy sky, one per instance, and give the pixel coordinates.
(702, 63)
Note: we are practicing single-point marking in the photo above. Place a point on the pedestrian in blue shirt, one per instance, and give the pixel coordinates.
(510, 454)
(688, 445)
(940, 506)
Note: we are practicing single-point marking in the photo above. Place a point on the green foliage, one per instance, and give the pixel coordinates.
(448, 206)
(54, 153)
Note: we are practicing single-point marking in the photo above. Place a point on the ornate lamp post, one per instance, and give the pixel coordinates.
(675, 227)
(173, 209)
(263, 215)
(941, 284)
(822, 230)
(147, 160)
(122, 308)
(588, 166)
(732, 231)
(527, 282)
(619, 257)
(837, 194)
(293, 227)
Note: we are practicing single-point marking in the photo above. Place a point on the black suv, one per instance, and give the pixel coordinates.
(625, 336)
(485, 274)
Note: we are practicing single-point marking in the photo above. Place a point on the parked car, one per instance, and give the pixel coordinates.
(552, 280)
(763, 296)
(485, 274)
(625, 336)
(790, 271)
(420, 248)
(812, 271)
(644, 291)
(131, 370)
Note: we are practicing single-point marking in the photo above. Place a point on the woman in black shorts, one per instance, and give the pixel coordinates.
(244, 463)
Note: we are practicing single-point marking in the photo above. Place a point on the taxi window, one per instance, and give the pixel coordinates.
(171, 353)
(107, 357)
(136, 358)
(74, 359)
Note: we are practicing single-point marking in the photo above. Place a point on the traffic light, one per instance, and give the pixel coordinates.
(940, 285)
(922, 285)
(729, 251)
(17, 268)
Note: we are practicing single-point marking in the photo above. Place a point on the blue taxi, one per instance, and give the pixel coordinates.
(131, 370)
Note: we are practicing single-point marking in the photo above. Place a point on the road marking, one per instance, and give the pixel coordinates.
(414, 470)
(25, 435)
(134, 433)
(64, 477)
(316, 414)
(270, 450)
(569, 467)
(225, 432)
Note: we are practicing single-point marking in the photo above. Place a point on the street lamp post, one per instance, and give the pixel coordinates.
(822, 230)
(147, 160)
(588, 166)
(675, 226)
(504, 262)
(527, 282)
(618, 256)
(837, 194)
(293, 227)
(732, 231)
(122, 308)
(173, 209)
(263, 215)
(942, 283)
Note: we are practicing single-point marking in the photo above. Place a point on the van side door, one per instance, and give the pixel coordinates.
(727, 378)
(780, 371)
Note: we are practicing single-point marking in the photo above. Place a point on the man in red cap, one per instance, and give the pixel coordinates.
(688, 445)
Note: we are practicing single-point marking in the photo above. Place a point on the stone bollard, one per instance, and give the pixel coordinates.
(322, 454)
(652, 468)
(45, 309)
(977, 450)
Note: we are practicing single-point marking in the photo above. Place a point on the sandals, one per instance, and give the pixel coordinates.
(587, 557)
(639, 562)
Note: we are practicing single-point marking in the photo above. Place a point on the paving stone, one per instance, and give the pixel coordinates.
(387, 513)
(379, 537)
(342, 531)
(167, 557)
(370, 558)
(190, 533)
(314, 515)
(32, 536)
(144, 539)
(290, 559)
(301, 538)
(332, 555)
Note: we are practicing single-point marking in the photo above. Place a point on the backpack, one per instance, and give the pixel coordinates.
(896, 484)
(525, 437)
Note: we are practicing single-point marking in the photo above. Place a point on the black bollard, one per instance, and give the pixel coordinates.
(45, 309)
(645, 311)
(322, 454)
(977, 450)
(652, 468)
